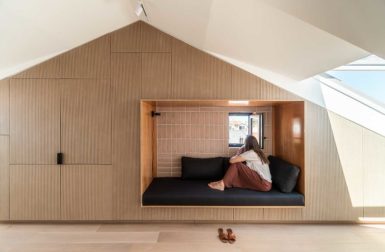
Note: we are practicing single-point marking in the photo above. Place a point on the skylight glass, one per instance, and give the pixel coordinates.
(365, 77)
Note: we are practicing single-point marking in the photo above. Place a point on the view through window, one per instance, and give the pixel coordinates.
(365, 77)
(243, 124)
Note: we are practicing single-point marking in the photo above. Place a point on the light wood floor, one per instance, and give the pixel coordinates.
(189, 237)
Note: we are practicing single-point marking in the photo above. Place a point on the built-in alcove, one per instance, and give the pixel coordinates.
(171, 129)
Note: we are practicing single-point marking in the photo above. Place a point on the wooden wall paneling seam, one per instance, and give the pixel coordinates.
(34, 121)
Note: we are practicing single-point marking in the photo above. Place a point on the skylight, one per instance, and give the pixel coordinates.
(365, 77)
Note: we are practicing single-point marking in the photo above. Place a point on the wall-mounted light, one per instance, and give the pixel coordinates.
(238, 102)
(296, 127)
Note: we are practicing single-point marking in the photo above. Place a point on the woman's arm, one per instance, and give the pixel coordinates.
(240, 151)
(236, 159)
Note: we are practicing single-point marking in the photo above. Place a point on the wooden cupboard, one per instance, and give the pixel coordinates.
(48, 116)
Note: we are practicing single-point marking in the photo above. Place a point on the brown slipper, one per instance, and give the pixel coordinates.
(231, 236)
(222, 236)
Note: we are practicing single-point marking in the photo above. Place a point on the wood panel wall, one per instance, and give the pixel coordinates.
(289, 137)
(138, 62)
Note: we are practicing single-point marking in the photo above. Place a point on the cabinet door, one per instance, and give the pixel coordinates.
(34, 121)
(86, 192)
(86, 121)
(34, 192)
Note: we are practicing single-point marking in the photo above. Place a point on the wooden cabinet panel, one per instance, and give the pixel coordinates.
(86, 192)
(4, 107)
(153, 40)
(127, 39)
(156, 75)
(86, 121)
(34, 192)
(198, 75)
(126, 88)
(34, 121)
(4, 177)
(91, 60)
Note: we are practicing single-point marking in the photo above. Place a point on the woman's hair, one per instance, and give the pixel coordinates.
(251, 143)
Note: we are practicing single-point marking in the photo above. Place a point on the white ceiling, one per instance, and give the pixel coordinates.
(266, 34)
(33, 31)
(361, 22)
(254, 33)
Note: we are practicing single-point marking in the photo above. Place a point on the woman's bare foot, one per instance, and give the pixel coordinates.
(218, 185)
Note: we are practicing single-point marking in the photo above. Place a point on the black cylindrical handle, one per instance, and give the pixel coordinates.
(59, 158)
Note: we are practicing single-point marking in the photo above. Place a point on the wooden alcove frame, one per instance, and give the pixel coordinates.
(288, 144)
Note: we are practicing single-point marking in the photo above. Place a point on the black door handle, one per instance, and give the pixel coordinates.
(59, 158)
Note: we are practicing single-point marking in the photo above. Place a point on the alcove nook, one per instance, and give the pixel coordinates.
(172, 129)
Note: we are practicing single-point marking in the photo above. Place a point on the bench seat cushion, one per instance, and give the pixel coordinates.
(178, 192)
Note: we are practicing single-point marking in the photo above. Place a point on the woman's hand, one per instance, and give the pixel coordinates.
(240, 151)
(237, 159)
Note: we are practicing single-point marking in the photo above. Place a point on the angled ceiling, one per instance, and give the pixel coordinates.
(361, 22)
(33, 31)
(266, 34)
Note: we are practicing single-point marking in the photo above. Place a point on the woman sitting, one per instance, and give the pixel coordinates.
(254, 175)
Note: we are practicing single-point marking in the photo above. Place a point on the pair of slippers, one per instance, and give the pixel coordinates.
(229, 237)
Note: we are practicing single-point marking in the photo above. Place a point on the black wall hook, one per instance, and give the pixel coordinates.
(153, 113)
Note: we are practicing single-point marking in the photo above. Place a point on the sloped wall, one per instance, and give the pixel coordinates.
(140, 62)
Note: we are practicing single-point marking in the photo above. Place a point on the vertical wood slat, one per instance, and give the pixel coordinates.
(4, 107)
(91, 60)
(243, 84)
(34, 121)
(156, 75)
(86, 192)
(126, 89)
(197, 75)
(86, 121)
(4, 177)
(34, 192)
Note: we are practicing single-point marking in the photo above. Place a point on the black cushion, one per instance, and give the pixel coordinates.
(203, 168)
(178, 192)
(283, 174)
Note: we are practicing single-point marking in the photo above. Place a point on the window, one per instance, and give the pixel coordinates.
(243, 124)
(365, 77)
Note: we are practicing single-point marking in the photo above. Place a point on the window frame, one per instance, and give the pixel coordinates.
(250, 127)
